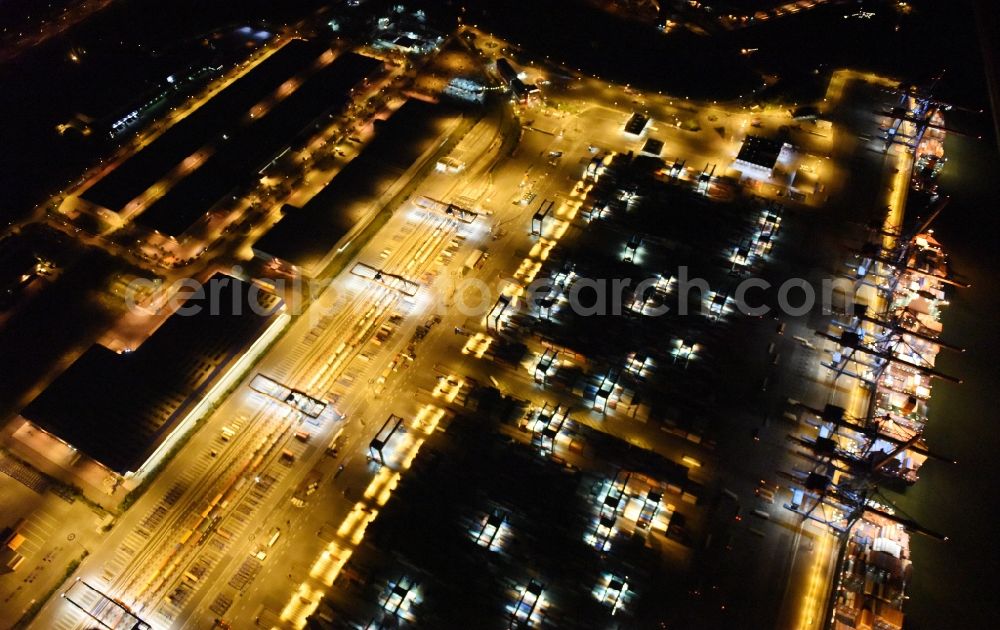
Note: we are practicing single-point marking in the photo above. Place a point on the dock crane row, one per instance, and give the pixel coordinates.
(890, 347)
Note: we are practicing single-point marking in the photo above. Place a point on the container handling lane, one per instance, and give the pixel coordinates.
(357, 323)
(411, 244)
(166, 541)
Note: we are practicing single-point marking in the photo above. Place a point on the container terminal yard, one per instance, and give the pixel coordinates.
(384, 315)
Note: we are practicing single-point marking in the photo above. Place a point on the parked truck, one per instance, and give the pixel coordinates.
(474, 260)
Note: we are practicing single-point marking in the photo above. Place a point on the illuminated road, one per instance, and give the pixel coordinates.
(181, 556)
(223, 486)
(147, 556)
(72, 15)
(158, 561)
(810, 586)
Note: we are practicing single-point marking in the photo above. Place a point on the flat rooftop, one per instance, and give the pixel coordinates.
(636, 123)
(653, 147)
(250, 147)
(304, 236)
(118, 408)
(145, 168)
(760, 151)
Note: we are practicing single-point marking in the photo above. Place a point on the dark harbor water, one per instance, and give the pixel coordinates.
(955, 583)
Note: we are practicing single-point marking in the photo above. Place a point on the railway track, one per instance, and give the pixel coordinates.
(170, 538)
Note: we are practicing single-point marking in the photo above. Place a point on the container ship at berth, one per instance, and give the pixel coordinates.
(903, 388)
(889, 344)
(876, 565)
(929, 158)
(895, 349)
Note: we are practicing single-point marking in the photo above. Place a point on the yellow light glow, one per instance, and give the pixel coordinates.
(330, 562)
(351, 520)
(302, 604)
(814, 602)
(412, 453)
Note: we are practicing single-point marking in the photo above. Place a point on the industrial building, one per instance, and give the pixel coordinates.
(138, 173)
(172, 184)
(759, 156)
(307, 238)
(250, 147)
(123, 411)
